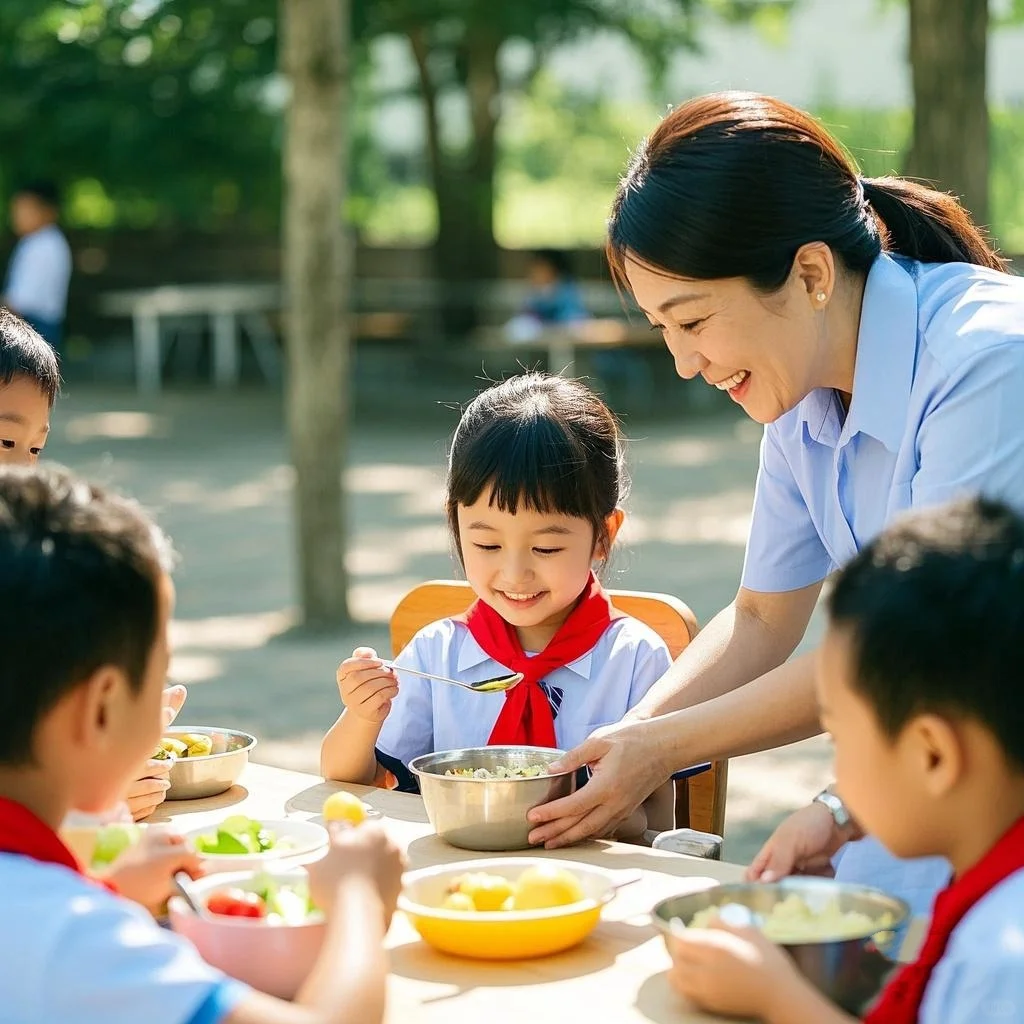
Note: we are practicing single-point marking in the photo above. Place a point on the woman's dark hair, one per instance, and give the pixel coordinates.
(934, 607)
(543, 441)
(733, 184)
(80, 573)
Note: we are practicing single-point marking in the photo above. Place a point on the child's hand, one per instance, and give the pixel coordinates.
(146, 793)
(144, 873)
(367, 688)
(361, 851)
(803, 844)
(734, 971)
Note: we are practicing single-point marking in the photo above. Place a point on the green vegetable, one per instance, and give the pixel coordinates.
(237, 836)
(112, 841)
(290, 902)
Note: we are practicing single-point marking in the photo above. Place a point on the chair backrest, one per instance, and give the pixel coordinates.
(700, 802)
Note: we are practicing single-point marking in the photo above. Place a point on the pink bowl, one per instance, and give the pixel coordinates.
(273, 958)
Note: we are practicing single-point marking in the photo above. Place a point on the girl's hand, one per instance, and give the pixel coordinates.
(146, 793)
(144, 873)
(733, 971)
(367, 688)
(803, 844)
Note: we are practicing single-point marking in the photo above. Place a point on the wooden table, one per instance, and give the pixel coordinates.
(617, 975)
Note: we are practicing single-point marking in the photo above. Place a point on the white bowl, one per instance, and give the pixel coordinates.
(272, 957)
(307, 841)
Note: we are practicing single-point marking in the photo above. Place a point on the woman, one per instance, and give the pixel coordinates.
(868, 324)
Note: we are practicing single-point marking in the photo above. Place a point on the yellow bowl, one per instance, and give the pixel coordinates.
(502, 934)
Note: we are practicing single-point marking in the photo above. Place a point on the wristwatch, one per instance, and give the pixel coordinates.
(835, 806)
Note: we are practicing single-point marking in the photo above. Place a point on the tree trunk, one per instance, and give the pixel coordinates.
(317, 284)
(948, 52)
(464, 251)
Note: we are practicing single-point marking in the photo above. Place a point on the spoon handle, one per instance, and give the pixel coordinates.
(183, 885)
(422, 675)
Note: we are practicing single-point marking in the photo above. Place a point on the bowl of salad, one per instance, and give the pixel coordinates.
(261, 928)
(239, 843)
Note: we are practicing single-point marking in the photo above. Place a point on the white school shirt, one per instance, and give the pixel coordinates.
(38, 276)
(72, 951)
(980, 978)
(596, 689)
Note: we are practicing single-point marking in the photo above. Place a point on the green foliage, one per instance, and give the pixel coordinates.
(152, 111)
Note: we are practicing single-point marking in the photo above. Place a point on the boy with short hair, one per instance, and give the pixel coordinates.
(40, 269)
(919, 683)
(85, 601)
(29, 383)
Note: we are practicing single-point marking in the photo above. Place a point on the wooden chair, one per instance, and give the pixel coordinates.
(700, 800)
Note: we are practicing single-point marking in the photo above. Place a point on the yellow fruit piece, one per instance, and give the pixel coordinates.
(174, 746)
(199, 744)
(541, 888)
(342, 806)
(458, 901)
(488, 892)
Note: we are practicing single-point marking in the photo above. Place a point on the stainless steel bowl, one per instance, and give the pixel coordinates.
(195, 777)
(487, 814)
(849, 971)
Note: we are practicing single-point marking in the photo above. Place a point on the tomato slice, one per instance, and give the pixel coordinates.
(236, 903)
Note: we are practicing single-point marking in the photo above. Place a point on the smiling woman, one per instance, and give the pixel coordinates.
(869, 325)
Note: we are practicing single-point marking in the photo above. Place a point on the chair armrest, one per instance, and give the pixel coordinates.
(690, 842)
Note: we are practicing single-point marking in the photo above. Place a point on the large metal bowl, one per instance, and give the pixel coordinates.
(195, 777)
(487, 814)
(850, 971)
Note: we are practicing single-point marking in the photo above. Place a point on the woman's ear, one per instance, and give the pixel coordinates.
(815, 267)
(612, 525)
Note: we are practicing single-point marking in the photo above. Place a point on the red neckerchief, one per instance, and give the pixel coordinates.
(900, 1001)
(23, 833)
(526, 718)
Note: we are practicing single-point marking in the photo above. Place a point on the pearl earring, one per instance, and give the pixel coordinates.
(821, 296)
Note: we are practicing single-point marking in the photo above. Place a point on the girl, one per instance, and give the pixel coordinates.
(535, 479)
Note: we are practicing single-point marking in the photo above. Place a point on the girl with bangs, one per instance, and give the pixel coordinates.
(535, 482)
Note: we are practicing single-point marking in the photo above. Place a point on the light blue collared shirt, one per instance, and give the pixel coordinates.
(937, 412)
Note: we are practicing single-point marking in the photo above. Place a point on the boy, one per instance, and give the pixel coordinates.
(919, 684)
(29, 383)
(40, 267)
(85, 600)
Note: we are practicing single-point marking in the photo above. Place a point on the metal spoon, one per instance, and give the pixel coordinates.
(183, 884)
(497, 684)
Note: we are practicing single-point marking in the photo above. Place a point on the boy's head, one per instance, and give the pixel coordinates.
(85, 601)
(33, 206)
(921, 672)
(548, 267)
(29, 382)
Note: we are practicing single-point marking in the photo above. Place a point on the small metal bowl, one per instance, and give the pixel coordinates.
(850, 971)
(487, 814)
(211, 774)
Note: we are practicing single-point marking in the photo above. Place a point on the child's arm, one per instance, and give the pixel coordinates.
(357, 883)
(738, 972)
(347, 753)
(144, 873)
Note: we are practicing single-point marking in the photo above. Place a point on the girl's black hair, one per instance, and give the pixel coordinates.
(23, 353)
(543, 441)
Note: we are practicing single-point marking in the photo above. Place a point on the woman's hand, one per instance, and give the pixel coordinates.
(367, 688)
(625, 771)
(803, 844)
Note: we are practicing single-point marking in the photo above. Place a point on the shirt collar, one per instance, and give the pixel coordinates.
(472, 655)
(884, 371)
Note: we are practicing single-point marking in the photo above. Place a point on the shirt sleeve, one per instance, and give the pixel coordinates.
(652, 662)
(408, 731)
(784, 551)
(110, 963)
(971, 439)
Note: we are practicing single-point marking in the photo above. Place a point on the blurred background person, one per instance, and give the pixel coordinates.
(40, 267)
